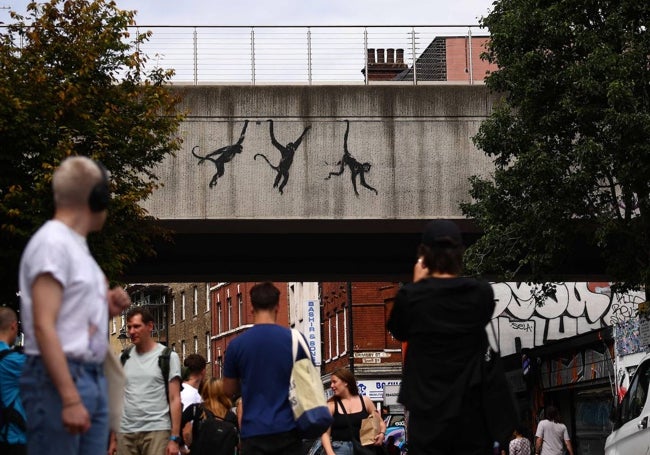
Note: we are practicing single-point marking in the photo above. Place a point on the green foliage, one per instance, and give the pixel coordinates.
(72, 82)
(570, 139)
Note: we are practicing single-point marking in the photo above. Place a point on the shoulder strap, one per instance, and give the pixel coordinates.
(125, 355)
(363, 404)
(163, 363)
(347, 419)
(298, 340)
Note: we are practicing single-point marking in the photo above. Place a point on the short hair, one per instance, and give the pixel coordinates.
(264, 296)
(145, 314)
(551, 413)
(73, 181)
(346, 376)
(195, 363)
(442, 257)
(7, 317)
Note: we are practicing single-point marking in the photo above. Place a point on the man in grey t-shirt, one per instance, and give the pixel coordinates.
(552, 435)
(151, 421)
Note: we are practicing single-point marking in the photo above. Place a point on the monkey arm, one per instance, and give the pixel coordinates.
(243, 133)
(299, 140)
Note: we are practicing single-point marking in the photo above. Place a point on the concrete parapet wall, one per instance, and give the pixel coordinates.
(417, 140)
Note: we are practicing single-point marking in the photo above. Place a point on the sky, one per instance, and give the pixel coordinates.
(297, 12)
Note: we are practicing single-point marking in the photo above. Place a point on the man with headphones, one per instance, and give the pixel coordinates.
(65, 306)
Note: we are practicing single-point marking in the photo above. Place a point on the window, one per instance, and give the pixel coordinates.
(114, 325)
(196, 344)
(229, 303)
(195, 302)
(173, 310)
(345, 331)
(635, 398)
(219, 318)
(329, 336)
(240, 309)
(182, 306)
(183, 351)
(336, 329)
(208, 347)
(207, 297)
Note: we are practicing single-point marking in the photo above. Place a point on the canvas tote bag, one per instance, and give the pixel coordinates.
(306, 393)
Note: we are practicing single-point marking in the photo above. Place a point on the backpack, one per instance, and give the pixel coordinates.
(212, 435)
(163, 364)
(8, 414)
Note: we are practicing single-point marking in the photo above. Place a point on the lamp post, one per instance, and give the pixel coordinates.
(123, 338)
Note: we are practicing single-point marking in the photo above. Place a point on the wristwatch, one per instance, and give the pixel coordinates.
(176, 439)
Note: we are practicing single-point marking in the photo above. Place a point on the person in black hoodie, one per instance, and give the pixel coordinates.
(442, 316)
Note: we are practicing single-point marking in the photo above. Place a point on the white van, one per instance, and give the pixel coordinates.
(631, 434)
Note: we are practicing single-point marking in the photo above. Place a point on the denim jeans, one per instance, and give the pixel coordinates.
(45, 432)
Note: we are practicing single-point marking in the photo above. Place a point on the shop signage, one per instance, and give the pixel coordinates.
(364, 355)
(374, 388)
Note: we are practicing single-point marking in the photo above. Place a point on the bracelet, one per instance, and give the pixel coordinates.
(73, 403)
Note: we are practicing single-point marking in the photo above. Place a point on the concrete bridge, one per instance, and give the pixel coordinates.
(338, 185)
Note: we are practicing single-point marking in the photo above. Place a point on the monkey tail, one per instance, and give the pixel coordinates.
(267, 160)
(201, 158)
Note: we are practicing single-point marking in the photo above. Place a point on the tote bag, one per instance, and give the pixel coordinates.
(306, 393)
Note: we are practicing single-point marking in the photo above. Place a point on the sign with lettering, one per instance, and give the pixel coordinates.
(374, 388)
(312, 329)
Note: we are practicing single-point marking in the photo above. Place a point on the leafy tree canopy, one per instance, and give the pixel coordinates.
(72, 82)
(570, 139)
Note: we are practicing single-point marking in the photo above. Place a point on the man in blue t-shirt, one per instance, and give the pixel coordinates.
(259, 362)
(12, 435)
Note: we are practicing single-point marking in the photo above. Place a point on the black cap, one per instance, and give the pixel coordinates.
(441, 231)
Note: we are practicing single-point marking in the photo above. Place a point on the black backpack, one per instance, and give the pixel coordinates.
(8, 414)
(212, 435)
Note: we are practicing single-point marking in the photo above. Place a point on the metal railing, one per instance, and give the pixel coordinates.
(315, 54)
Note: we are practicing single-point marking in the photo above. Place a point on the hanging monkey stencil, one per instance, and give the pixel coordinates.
(286, 157)
(225, 154)
(356, 168)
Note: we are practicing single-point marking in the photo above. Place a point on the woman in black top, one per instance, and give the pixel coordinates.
(348, 409)
(443, 316)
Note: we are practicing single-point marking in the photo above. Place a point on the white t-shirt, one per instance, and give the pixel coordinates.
(553, 434)
(145, 404)
(190, 395)
(82, 323)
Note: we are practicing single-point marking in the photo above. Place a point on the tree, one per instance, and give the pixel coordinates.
(570, 139)
(72, 82)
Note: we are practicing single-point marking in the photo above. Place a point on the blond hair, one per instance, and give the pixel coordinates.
(214, 398)
(73, 181)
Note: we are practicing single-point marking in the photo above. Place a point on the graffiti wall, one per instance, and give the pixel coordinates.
(575, 309)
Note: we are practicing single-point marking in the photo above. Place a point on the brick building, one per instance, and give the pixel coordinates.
(232, 314)
(358, 340)
(190, 321)
(446, 59)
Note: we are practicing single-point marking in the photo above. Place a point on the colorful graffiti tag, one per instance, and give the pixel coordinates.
(575, 309)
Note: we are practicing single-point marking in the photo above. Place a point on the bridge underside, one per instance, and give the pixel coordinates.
(308, 250)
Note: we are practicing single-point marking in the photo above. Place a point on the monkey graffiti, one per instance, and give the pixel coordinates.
(286, 157)
(224, 155)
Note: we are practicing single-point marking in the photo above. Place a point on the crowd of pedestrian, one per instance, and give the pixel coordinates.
(54, 395)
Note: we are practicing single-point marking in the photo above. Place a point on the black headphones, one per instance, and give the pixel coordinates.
(100, 195)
